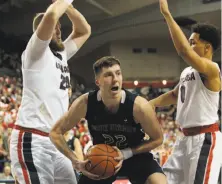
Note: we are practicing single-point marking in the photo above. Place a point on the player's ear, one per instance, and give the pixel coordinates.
(97, 82)
(208, 46)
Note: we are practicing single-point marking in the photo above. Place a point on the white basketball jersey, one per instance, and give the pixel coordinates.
(196, 105)
(45, 86)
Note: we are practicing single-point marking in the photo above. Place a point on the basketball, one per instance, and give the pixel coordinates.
(102, 161)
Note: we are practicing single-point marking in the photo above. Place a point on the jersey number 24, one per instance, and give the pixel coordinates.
(64, 82)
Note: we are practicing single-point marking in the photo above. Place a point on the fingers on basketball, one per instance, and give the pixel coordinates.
(118, 167)
(119, 157)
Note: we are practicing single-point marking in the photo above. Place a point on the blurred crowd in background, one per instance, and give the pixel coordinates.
(10, 100)
(11, 93)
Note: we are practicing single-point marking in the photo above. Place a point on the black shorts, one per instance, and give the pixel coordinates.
(137, 169)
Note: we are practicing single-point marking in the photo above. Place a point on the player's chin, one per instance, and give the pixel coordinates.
(114, 92)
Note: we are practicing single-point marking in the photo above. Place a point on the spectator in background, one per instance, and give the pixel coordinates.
(3, 154)
(85, 137)
(74, 144)
(10, 98)
(10, 61)
(6, 175)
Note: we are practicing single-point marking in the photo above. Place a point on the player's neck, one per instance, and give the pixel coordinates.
(112, 104)
(208, 56)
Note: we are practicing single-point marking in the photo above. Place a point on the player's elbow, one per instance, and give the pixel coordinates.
(88, 30)
(53, 135)
(84, 31)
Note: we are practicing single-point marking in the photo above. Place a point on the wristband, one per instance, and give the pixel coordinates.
(127, 153)
(69, 1)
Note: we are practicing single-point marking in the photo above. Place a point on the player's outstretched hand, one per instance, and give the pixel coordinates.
(118, 159)
(164, 9)
(81, 167)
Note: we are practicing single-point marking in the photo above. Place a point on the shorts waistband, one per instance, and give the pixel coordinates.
(31, 130)
(200, 129)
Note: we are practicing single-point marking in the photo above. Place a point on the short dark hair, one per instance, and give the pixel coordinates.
(36, 20)
(208, 33)
(104, 62)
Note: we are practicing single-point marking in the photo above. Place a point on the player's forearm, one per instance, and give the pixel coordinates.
(80, 25)
(60, 143)
(57, 9)
(167, 99)
(179, 39)
(79, 155)
(147, 146)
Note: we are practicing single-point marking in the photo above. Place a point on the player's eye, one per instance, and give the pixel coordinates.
(107, 74)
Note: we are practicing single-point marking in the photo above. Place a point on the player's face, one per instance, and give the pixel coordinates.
(56, 43)
(110, 81)
(198, 45)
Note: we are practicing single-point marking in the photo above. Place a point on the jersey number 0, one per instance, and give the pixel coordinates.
(182, 93)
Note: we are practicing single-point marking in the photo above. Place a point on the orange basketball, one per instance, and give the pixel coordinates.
(102, 161)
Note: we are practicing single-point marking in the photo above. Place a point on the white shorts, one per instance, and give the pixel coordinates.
(35, 160)
(195, 160)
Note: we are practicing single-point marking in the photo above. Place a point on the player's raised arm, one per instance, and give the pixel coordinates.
(145, 115)
(184, 48)
(51, 17)
(45, 27)
(81, 31)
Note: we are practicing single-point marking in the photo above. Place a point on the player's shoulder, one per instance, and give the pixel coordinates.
(84, 97)
(139, 103)
(35, 43)
(213, 66)
(187, 69)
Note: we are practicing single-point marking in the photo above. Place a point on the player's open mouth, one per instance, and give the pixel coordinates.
(114, 88)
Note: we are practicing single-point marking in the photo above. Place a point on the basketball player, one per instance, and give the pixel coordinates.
(196, 158)
(45, 97)
(118, 118)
